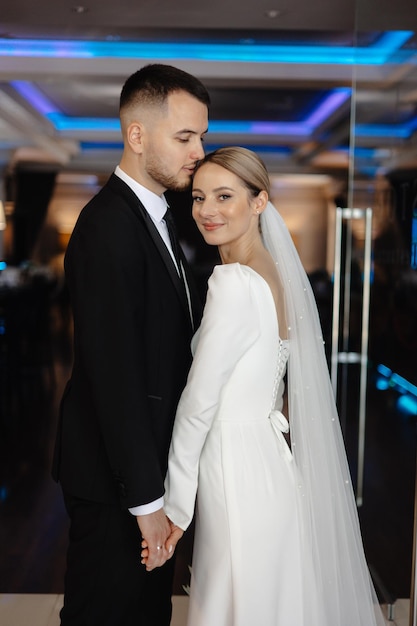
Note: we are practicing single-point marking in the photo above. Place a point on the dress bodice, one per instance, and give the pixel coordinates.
(235, 384)
(248, 372)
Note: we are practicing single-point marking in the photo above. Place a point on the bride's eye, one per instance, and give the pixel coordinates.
(224, 196)
(198, 199)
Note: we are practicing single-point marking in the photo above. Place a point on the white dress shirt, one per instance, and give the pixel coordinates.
(155, 205)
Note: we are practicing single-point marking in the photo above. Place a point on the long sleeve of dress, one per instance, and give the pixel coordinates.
(229, 327)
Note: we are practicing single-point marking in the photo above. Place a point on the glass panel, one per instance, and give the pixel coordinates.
(383, 176)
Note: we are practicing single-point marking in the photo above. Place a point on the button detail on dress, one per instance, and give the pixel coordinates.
(279, 421)
(280, 425)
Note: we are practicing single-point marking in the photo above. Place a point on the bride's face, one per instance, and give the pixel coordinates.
(222, 206)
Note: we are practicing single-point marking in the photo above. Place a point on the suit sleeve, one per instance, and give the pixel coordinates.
(228, 329)
(106, 272)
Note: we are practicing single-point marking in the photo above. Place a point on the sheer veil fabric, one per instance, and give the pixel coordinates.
(330, 525)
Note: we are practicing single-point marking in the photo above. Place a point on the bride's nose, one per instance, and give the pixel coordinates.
(206, 209)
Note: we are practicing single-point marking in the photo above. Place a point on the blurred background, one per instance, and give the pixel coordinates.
(326, 94)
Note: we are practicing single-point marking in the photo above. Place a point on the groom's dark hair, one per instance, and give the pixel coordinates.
(153, 83)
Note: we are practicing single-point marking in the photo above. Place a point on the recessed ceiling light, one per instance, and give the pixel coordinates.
(272, 13)
(79, 9)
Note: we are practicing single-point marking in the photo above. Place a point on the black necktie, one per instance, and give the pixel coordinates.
(169, 221)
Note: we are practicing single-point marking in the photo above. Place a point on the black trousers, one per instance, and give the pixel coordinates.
(105, 582)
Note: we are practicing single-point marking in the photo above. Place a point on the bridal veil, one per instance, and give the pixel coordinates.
(326, 499)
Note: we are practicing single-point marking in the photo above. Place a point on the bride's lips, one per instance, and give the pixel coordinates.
(210, 226)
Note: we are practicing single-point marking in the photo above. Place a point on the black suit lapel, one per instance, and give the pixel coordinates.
(133, 200)
(167, 258)
(195, 299)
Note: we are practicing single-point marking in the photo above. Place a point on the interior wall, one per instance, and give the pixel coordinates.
(304, 203)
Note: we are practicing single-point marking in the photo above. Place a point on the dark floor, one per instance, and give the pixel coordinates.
(33, 523)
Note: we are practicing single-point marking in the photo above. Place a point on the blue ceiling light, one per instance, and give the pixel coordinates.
(403, 385)
(407, 404)
(61, 122)
(34, 96)
(382, 384)
(101, 145)
(407, 399)
(283, 151)
(333, 100)
(385, 48)
(398, 131)
(329, 105)
(256, 128)
(384, 370)
(393, 380)
(74, 124)
(378, 53)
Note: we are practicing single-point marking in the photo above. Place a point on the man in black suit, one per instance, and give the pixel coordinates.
(134, 311)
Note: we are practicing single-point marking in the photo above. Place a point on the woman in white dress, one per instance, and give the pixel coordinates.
(277, 539)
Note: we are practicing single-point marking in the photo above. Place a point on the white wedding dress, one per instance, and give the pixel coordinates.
(251, 564)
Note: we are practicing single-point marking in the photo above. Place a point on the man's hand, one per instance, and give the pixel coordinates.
(155, 530)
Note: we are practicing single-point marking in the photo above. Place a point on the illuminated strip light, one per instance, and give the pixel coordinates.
(283, 151)
(328, 106)
(402, 384)
(34, 96)
(377, 54)
(64, 123)
(233, 127)
(407, 402)
(395, 381)
(402, 131)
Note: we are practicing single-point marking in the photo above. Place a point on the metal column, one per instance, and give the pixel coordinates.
(413, 591)
(340, 352)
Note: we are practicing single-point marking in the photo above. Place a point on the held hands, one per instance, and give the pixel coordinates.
(155, 530)
(173, 539)
(156, 553)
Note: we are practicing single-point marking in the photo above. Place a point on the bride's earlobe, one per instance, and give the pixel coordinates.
(261, 201)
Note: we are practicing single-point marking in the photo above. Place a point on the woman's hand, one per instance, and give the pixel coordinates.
(173, 539)
(168, 548)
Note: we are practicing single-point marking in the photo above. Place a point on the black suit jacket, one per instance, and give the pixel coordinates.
(132, 333)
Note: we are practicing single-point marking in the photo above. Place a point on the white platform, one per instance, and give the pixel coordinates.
(43, 610)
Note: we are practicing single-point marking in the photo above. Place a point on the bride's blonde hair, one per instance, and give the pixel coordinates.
(244, 163)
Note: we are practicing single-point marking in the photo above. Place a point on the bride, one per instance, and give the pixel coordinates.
(277, 540)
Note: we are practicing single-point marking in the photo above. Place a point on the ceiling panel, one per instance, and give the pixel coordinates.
(282, 78)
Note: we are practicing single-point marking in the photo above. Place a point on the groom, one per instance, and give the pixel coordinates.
(134, 309)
